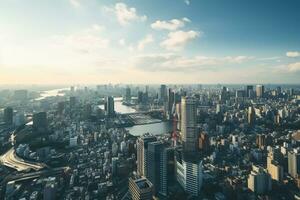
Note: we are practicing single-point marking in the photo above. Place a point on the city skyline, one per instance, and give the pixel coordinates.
(132, 42)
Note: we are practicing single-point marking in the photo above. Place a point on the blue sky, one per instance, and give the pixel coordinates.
(143, 41)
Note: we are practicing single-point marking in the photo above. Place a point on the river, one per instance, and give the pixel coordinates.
(155, 129)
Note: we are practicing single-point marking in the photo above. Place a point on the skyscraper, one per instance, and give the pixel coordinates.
(40, 123)
(273, 166)
(259, 180)
(294, 163)
(260, 91)
(189, 173)
(155, 165)
(142, 154)
(171, 101)
(251, 116)
(110, 106)
(128, 94)
(72, 102)
(141, 189)
(8, 116)
(163, 94)
(249, 91)
(189, 124)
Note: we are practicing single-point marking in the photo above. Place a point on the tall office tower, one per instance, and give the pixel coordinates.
(8, 116)
(156, 165)
(72, 89)
(240, 94)
(260, 91)
(294, 163)
(128, 94)
(163, 94)
(40, 123)
(110, 106)
(251, 116)
(204, 142)
(278, 90)
(224, 96)
(21, 95)
(60, 107)
(72, 102)
(273, 166)
(189, 124)
(171, 101)
(87, 111)
(142, 154)
(141, 189)
(259, 180)
(168, 170)
(249, 91)
(189, 173)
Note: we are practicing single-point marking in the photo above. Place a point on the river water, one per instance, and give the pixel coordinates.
(155, 129)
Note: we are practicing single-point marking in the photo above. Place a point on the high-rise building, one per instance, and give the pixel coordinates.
(189, 124)
(189, 173)
(110, 106)
(240, 94)
(142, 154)
(171, 103)
(273, 166)
(249, 91)
(259, 180)
(72, 102)
(128, 94)
(40, 123)
(156, 165)
(8, 116)
(141, 189)
(224, 96)
(260, 91)
(60, 107)
(163, 94)
(87, 112)
(251, 116)
(294, 163)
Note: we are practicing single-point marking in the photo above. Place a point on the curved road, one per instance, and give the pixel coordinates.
(10, 159)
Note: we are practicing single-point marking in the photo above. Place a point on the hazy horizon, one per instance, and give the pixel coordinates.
(69, 42)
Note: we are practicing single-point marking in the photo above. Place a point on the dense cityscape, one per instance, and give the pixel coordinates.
(149, 100)
(151, 142)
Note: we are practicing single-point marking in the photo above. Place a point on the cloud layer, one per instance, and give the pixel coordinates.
(170, 25)
(177, 40)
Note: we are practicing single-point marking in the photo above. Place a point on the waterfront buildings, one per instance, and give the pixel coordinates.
(189, 124)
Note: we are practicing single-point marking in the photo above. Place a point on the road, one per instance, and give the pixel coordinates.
(10, 159)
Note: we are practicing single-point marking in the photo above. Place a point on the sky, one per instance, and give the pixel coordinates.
(149, 41)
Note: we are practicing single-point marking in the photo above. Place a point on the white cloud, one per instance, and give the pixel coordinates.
(170, 25)
(174, 62)
(292, 54)
(75, 3)
(187, 2)
(84, 41)
(125, 14)
(178, 39)
(294, 67)
(122, 42)
(147, 40)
